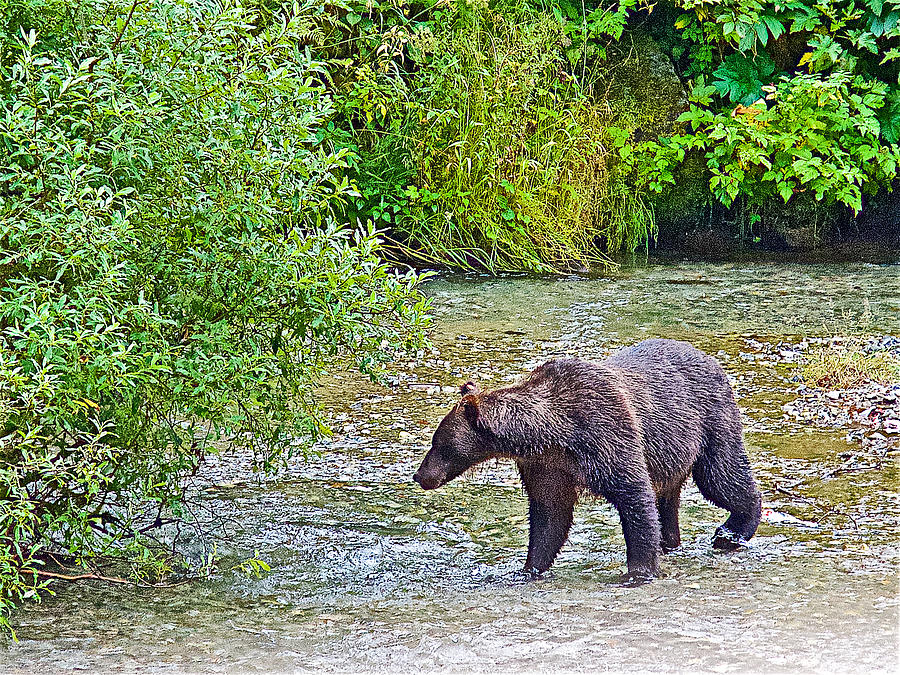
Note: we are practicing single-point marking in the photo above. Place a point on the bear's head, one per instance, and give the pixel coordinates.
(460, 442)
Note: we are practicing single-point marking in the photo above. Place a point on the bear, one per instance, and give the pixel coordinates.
(630, 429)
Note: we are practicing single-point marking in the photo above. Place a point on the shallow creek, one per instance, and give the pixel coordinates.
(369, 572)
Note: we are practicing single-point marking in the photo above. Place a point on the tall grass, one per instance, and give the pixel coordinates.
(507, 160)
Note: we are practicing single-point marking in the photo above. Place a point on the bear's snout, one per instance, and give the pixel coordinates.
(432, 472)
(427, 482)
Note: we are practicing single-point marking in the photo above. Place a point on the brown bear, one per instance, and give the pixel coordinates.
(630, 429)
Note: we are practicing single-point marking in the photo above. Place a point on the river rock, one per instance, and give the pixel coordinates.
(643, 89)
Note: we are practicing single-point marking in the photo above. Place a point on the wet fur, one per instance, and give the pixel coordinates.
(630, 429)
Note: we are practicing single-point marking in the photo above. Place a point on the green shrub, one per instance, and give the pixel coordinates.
(805, 97)
(173, 271)
(818, 134)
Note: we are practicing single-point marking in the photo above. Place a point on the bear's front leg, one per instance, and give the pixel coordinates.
(551, 502)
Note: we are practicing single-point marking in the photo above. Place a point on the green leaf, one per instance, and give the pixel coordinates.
(740, 78)
(776, 28)
(762, 33)
(785, 190)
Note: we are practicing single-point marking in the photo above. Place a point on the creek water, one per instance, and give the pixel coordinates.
(370, 573)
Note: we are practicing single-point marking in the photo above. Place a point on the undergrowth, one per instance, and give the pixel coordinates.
(480, 136)
(490, 154)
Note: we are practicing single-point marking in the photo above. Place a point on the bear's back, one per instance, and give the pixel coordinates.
(681, 398)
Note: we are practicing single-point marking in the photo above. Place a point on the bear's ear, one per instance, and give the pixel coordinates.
(469, 388)
(469, 405)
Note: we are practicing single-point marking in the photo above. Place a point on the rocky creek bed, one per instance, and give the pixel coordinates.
(370, 573)
(869, 412)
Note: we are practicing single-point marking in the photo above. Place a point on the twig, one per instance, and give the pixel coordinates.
(851, 469)
(76, 577)
(125, 25)
(780, 489)
(112, 580)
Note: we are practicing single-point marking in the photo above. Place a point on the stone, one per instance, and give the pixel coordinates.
(646, 97)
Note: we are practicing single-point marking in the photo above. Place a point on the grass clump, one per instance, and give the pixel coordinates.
(847, 362)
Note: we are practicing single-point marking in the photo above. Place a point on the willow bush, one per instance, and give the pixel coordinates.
(175, 270)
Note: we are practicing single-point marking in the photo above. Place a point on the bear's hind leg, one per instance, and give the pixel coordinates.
(722, 473)
(667, 504)
(551, 502)
(636, 504)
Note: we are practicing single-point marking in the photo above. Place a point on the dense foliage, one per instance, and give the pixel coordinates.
(175, 267)
(485, 132)
(790, 97)
(477, 143)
